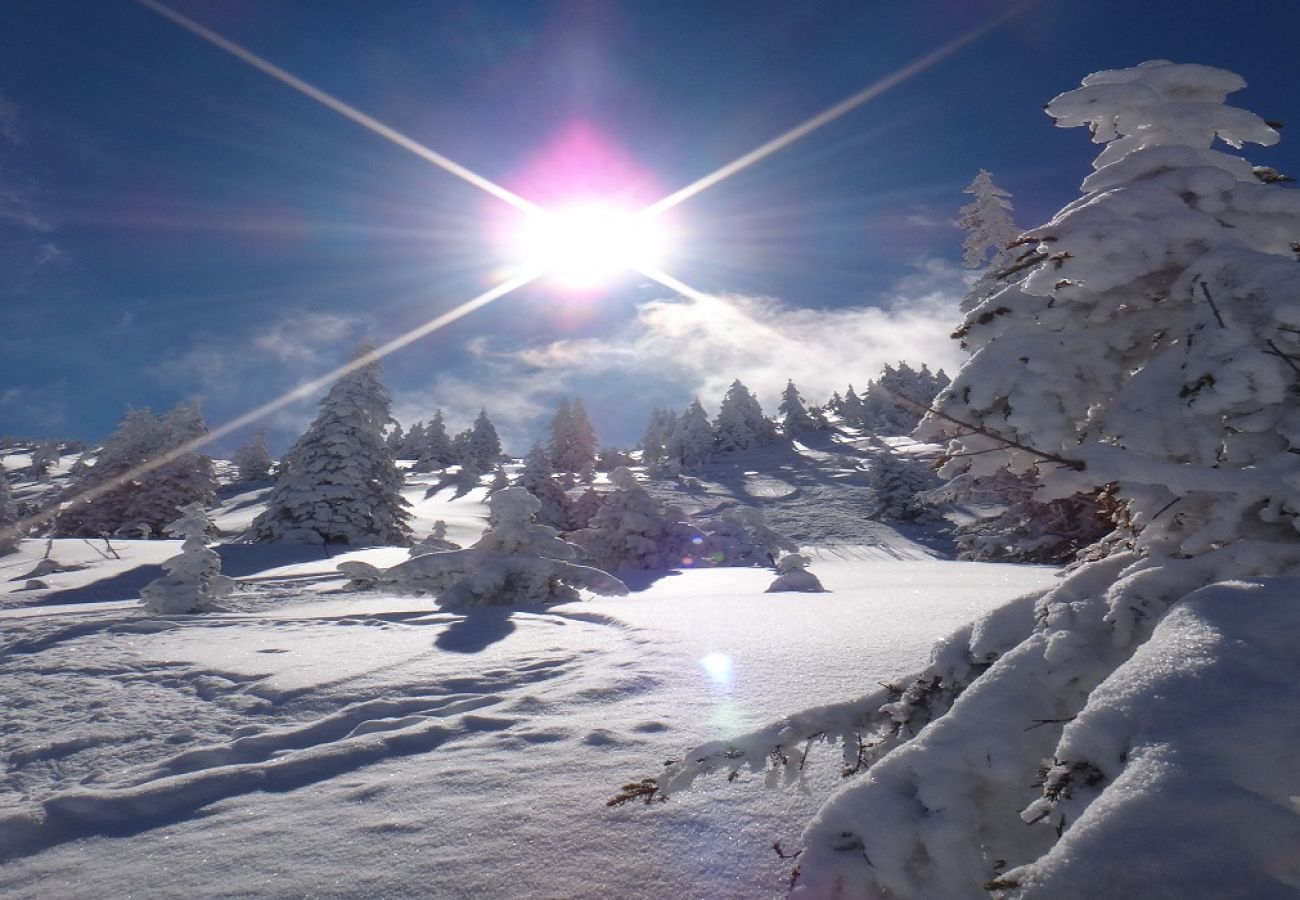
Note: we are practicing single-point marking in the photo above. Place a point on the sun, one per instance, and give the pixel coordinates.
(586, 245)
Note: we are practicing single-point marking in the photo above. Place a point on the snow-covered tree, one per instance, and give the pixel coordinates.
(193, 581)
(632, 530)
(538, 479)
(481, 446)
(573, 441)
(137, 440)
(658, 434)
(851, 409)
(793, 575)
(1024, 529)
(434, 542)
(412, 443)
(437, 451)
(252, 460)
(900, 485)
(45, 456)
(1146, 346)
(8, 517)
(742, 537)
(183, 479)
(394, 440)
(338, 484)
(583, 509)
(885, 407)
(989, 235)
(516, 562)
(795, 418)
(741, 424)
(691, 442)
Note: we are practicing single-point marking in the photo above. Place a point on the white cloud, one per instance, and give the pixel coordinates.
(702, 344)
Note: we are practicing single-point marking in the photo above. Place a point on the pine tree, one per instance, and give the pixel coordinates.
(338, 484)
(851, 410)
(987, 220)
(184, 479)
(691, 442)
(516, 561)
(538, 478)
(412, 443)
(482, 446)
(139, 438)
(741, 424)
(394, 441)
(631, 530)
(8, 517)
(899, 484)
(573, 441)
(45, 456)
(193, 580)
(253, 463)
(658, 434)
(795, 418)
(437, 452)
(1146, 348)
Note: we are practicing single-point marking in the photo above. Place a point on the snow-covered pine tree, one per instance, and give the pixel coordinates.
(573, 441)
(412, 443)
(795, 418)
(184, 479)
(1149, 347)
(900, 485)
(691, 442)
(437, 452)
(138, 439)
(516, 562)
(45, 456)
(193, 581)
(482, 446)
(338, 483)
(583, 509)
(658, 433)
(253, 462)
(990, 232)
(394, 440)
(8, 516)
(740, 423)
(741, 537)
(631, 530)
(851, 410)
(435, 541)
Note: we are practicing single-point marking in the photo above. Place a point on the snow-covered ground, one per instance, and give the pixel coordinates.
(311, 742)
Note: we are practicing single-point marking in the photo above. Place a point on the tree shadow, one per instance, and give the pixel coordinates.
(243, 560)
(477, 629)
(122, 586)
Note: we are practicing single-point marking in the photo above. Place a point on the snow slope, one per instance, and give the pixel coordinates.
(310, 742)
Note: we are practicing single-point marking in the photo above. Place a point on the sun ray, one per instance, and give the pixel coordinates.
(839, 109)
(302, 391)
(338, 106)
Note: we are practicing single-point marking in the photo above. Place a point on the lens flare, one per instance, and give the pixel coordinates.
(584, 246)
(718, 666)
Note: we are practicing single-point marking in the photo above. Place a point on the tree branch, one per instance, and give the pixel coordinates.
(1075, 464)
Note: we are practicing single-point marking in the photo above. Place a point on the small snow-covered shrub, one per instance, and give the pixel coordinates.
(794, 576)
(631, 529)
(742, 537)
(435, 542)
(193, 580)
(900, 485)
(516, 562)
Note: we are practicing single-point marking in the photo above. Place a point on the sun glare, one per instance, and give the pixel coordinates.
(585, 246)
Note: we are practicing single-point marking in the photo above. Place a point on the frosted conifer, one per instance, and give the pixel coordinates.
(691, 442)
(193, 580)
(253, 463)
(437, 451)
(793, 575)
(632, 530)
(516, 562)
(795, 418)
(338, 484)
(741, 424)
(573, 441)
(8, 516)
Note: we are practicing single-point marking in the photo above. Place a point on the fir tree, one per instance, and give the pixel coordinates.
(138, 439)
(193, 580)
(8, 517)
(437, 451)
(538, 479)
(741, 424)
(573, 441)
(691, 442)
(338, 484)
(253, 463)
(482, 446)
(795, 418)
(631, 530)
(515, 562)
(658, 434)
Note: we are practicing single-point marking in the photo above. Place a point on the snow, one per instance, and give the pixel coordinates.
(304, 741)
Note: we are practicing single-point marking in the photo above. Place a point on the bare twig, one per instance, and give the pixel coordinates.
(1289, 360)
(1205, 289)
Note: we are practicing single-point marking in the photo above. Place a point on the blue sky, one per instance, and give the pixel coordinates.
(175, 224)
